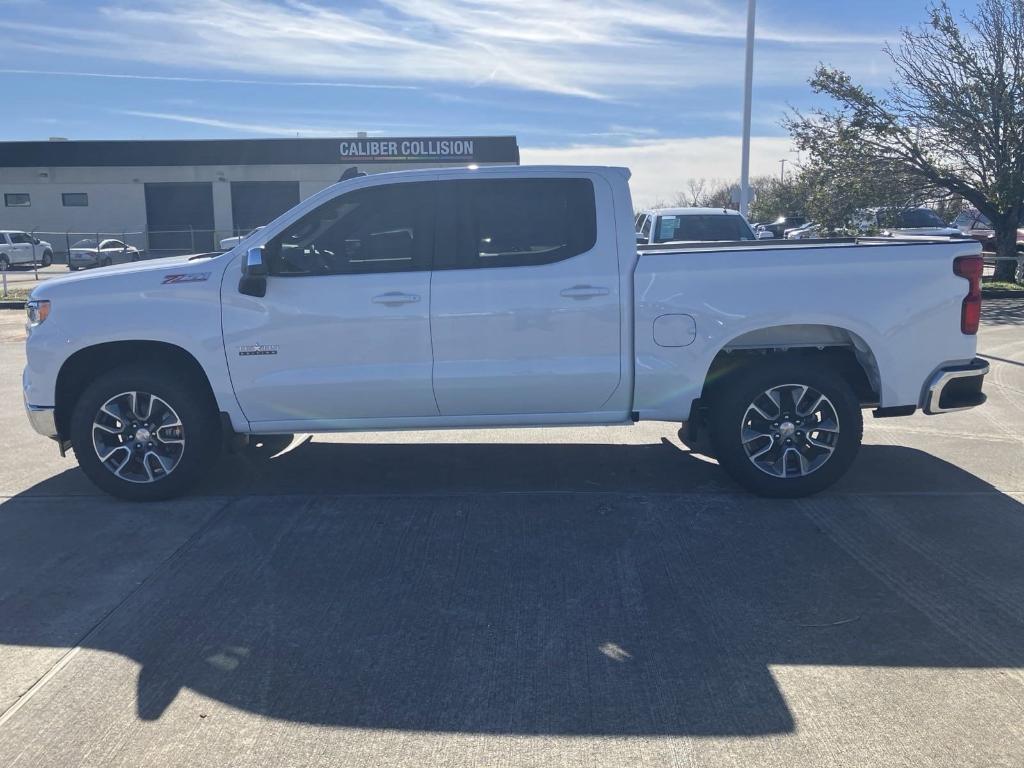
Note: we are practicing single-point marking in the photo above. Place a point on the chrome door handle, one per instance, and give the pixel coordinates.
(584, 292)
(395, 298)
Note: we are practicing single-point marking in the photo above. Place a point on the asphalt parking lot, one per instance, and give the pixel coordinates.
(522, 597)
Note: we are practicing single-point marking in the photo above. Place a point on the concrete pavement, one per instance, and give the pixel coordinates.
(523, 597)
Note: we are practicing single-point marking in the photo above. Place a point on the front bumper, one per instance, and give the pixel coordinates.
(43, 420)
(956, 388)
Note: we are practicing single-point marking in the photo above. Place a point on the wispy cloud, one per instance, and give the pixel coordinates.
(184, 79)
(661, 166)
(259, 128)
(579, 48)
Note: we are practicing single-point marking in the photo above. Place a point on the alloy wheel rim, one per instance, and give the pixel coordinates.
(789, 431)
(138, 437)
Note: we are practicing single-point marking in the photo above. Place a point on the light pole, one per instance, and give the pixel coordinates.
(782, 172)
(748, 88)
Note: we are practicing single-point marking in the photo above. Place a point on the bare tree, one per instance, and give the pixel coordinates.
(694, 195)
(953, 120)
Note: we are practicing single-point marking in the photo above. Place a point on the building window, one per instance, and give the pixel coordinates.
(74, 199)
(17, 199)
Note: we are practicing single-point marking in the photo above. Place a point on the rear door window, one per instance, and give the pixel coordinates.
(523, 222)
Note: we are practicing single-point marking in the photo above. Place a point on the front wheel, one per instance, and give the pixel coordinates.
(787, 429)
(47, 259)
(144, 436)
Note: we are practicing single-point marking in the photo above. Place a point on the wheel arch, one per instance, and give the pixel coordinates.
(841, 349)
(89, 362)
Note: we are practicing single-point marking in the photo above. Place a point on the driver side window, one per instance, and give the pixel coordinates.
(386, 228)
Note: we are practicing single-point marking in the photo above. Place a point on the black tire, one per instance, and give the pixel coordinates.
(47, 259)
(199, 419)
(5, 263)
(72, 269)
(733, 403)
(135, 257)
(106, 262)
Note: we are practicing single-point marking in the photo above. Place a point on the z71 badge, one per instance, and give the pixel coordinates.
(187, 277)
(249, 350)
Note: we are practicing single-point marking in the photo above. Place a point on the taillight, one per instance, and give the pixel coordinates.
(969, 268)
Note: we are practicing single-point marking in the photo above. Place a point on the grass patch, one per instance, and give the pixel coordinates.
(16, 293)
(1001, 285)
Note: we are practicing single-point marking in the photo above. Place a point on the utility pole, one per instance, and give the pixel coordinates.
(747, 98)
(782, 173)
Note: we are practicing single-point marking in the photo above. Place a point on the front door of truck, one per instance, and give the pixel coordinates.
(344, 329)
(525, 298)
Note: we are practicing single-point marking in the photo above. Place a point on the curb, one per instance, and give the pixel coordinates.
(1002, 294)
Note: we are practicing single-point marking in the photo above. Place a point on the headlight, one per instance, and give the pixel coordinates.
(37, 310)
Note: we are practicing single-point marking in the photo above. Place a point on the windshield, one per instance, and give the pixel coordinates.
(919, 217)
(85, 244)
(719, 226)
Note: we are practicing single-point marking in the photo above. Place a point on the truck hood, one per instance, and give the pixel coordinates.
(136, 275)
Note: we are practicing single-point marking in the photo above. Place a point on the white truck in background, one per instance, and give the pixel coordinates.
(19, 248)
(491, 297)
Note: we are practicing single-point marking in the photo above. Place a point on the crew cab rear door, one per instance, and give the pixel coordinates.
(343, 332)
(525, 304)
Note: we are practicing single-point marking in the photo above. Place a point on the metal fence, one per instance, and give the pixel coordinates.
(152, 243)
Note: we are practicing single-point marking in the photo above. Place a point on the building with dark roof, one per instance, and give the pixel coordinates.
(167, 196)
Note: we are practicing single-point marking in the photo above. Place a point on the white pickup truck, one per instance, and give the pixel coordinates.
(499, 297)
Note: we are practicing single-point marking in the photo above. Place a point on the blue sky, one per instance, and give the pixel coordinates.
(654, 84)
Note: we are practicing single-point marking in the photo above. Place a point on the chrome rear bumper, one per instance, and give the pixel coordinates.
(956, 388)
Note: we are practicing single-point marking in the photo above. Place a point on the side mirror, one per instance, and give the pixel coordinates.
(254, 274)
(35, 241)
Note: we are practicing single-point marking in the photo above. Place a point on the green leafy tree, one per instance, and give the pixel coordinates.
(775, 196)
(951, 124)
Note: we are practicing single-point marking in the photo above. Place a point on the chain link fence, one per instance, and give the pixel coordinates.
(151, 243)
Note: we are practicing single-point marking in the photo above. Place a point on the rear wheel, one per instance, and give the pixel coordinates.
(143, 435)
(5, 263)
(106, 262)
(787, 429)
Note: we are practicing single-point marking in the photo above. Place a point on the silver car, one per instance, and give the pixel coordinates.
(87, 253)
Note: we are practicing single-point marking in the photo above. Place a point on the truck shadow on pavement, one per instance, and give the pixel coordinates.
(473, 588)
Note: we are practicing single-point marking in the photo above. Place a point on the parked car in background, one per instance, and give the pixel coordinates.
(780, 225)
(18, 247)
(910, 222)
(809, 230)
(975, 224)
(87, 253)
(691, 225)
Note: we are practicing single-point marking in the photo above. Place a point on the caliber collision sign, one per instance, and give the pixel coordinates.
(446, 150)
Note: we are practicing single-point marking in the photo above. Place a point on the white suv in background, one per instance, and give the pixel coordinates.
(22, 248)
(690, 225)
